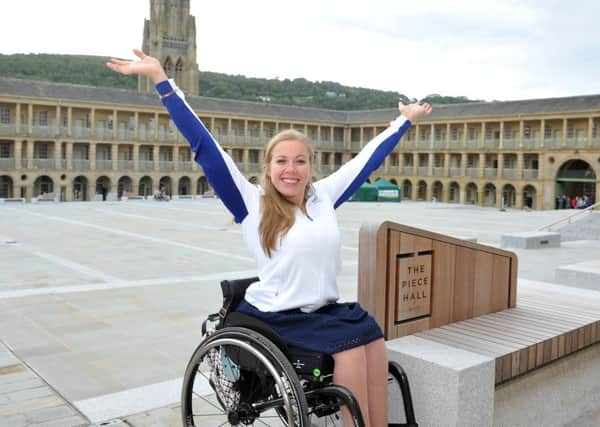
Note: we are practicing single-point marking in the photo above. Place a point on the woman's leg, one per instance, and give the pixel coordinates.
(350, 372)
(377, 373)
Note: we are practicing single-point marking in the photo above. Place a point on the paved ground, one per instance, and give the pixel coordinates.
(101, 303)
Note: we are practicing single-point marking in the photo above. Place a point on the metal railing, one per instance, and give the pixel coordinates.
(570, 219)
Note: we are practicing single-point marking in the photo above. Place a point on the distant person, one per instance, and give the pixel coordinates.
(290, 227)
(103, 193)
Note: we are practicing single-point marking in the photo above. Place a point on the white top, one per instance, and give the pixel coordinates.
(301, 272)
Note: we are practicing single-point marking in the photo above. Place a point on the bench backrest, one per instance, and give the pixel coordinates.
(411, 280)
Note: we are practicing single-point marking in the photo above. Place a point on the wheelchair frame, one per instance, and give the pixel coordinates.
(300, 384)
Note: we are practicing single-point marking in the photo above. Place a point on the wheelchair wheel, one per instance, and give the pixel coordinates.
(237, 377)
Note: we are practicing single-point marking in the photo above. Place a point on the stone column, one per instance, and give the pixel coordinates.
(115, 156)
(542, 132)
(92, 127)
(156, 157)
(564, 133)
(92, 156)
(483, 134)
(463, 164)
(156, 126)
(136, 126)
(69, 157)
(30, 153)
(176, 158)
(70, 121)
(135, 157)
(500, 165)
(115, 126)
(58, 122)
(501, 143)
(17, 155)
(18, 120)
(29, 119)
(521, 131)
(57, 155)
(446, 164)
(481, 165)
(589, 133)
(519, 173)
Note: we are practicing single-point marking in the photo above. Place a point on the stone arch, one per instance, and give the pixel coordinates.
(43, 184)
(529, 196)
(509, 195)
(125, 184)
(178, 70)
(80, 188)
(471, 195)
(165, 184)
(203, 185)
(407, 189)
(454, 192)
(437, 191)
(145, 186)
(489, 194)
(103, 183)
(6, 187)
(422, 190)
(574, 178)
(168, 66)
(393, 181)
(184, 188)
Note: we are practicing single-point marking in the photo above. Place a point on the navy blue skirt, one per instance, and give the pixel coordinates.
(331, 329)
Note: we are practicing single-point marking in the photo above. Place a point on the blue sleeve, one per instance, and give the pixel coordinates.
(221, 171)
(343, 183)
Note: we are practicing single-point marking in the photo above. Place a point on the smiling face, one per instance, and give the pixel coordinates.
(289, 169)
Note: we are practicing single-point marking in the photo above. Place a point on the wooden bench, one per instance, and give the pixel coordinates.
(450, 311)
(465, 294)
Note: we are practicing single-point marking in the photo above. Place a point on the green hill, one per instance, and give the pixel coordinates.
(90, 70)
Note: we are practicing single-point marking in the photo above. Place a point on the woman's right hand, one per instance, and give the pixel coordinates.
(147, 66)
(412, 111)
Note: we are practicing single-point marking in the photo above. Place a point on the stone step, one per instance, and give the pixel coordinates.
(583, 275)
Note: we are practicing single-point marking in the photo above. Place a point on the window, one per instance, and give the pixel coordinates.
(65, 119)
(507, 131)
(454, 133)
(488, 133)
(110, 121)
(471, 133)
(547, 131)
(569, 130)
(43, 118)
(423, 134)
(4, 150)
(42, 151)
(438, 133)
(527, 132)
(4, 116)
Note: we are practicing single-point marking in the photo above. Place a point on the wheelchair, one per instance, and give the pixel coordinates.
(244, 374)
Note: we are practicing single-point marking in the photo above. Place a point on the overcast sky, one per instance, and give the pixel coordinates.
(482, 49)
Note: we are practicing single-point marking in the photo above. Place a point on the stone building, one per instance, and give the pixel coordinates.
(170, 36)
(79, 141)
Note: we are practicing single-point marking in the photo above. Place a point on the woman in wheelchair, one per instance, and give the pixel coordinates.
(290, 227)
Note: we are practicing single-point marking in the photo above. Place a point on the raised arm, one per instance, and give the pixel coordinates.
(341, 184)
(228, 182)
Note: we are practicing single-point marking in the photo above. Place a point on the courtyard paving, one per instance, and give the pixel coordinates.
(101, 303)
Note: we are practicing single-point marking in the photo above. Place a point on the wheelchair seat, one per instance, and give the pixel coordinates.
(309, 365)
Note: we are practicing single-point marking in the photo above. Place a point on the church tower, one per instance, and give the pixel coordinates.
(170, 36)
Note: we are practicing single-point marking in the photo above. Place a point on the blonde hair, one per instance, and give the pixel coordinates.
(278, 213)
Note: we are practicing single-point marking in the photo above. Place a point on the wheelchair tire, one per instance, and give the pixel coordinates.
(267, 390)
